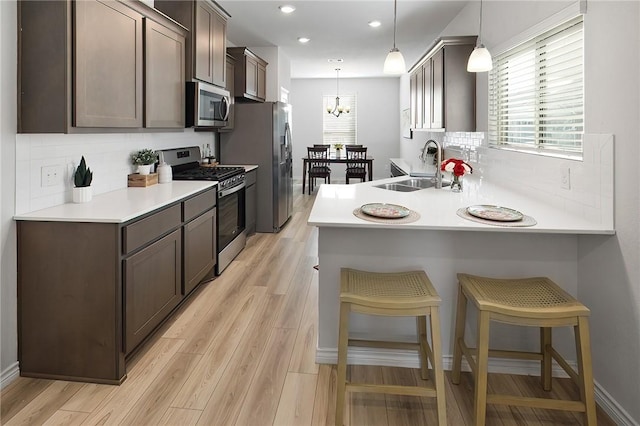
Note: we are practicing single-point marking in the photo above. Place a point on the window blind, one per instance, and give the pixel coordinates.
(536, 92)
(339, 129)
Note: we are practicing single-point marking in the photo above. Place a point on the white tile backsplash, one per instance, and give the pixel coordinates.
(106, 154)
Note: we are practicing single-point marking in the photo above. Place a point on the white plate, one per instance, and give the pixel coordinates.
(384, 210)
(496, 213)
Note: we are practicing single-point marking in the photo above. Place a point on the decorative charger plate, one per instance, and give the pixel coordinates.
(497, 213)
(384, 210)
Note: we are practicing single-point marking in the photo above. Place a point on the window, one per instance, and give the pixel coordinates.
(536, 93)
(339, 129)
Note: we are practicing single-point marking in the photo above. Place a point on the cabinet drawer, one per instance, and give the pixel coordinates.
(148, 229)
(195, 206)
(250, 177)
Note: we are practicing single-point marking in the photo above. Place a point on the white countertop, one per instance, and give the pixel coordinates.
(334, 206)
(120, 205)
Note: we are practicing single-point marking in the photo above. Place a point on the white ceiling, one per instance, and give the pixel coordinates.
(338, 29)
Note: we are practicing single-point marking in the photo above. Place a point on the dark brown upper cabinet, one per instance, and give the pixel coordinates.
(442, 92)
(81, 67)
(164, 77)
(250, 75)
(207, 38)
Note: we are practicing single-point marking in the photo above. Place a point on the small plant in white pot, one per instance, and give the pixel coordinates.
(144, 159)
(82, 181)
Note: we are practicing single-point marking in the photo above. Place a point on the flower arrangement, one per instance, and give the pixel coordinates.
(456, 166)
(144, 157)
(338, 145)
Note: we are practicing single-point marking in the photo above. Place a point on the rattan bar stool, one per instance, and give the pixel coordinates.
(537, 302)
(391, 294)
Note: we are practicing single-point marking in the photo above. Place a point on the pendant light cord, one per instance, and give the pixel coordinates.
(480, 30)
(395, 14)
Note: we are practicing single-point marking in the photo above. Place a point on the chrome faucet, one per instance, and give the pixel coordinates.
(423, 157)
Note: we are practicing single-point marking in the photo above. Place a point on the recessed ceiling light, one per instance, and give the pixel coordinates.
(303, 40)
(286, 8)
(374, 24)
(336, 60)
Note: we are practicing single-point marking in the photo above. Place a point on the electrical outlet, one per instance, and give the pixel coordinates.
(565, 178)
(51, 175)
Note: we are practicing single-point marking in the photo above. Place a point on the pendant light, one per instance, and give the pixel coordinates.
(394, 64)
(480, 59)
(338, 109)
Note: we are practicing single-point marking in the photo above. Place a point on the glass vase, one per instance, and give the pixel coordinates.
(456, 184)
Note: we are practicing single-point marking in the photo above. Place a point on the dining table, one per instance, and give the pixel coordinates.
(335, 158)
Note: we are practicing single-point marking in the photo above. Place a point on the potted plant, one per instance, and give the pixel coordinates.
(338, 147)
(144, 159)
(82, 183)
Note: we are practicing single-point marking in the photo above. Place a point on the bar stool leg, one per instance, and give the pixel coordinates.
(461, 317)
(421, 326)
(482, 369)
(343, 341)
(436, 350)
(585, 372)
(545, 364)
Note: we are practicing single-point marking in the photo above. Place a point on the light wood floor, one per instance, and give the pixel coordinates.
(241, 352)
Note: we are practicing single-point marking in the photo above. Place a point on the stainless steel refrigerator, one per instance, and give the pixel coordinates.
(262, 136)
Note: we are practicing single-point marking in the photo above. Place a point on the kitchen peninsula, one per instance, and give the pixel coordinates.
(441, 243)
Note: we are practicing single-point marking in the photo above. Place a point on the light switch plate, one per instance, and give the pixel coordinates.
(565, 178)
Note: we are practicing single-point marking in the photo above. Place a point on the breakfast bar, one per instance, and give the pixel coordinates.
(440, 241)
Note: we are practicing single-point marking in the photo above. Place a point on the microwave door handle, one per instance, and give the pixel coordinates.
(224, 103)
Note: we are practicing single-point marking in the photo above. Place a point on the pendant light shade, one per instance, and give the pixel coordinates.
(394, 64)
(480, 59)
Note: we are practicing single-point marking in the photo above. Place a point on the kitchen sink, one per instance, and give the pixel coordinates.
(397, 187)
(418, 183)
(410, 185)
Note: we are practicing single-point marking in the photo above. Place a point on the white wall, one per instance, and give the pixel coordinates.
(8, 120)
(378, 123)
(608, 266)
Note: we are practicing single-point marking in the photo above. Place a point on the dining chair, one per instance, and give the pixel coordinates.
(318, 165)
(356, 169)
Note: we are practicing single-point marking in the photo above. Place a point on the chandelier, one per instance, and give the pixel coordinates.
(337, 109)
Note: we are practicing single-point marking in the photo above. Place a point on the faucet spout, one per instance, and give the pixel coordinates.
(438, 176)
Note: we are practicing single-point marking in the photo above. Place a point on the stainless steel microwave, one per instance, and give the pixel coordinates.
(207, 105)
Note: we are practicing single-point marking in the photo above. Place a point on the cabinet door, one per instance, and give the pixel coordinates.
(437, 95)
(231, 81)
(203, 55)
(428, 94)
(251, 78)
(420, 99)
(199, 249)
(219, 46)
(164, 77)
(413, 98)
(152, 287)
(108, 65)
(262, 81)
(251, 209)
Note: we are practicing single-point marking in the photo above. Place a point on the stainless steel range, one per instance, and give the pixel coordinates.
(231, 236)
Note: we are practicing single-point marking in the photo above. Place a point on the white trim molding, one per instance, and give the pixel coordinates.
(409, 359)
(9, 374)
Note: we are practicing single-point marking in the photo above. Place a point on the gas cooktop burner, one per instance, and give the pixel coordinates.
(219, 173)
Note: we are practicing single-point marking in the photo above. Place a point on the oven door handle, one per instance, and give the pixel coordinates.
(230, 191)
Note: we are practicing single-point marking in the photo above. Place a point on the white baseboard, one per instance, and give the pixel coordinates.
(9, 374)
(409, 359)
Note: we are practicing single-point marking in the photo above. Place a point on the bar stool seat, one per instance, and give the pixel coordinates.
(537, 302)
(391, 294)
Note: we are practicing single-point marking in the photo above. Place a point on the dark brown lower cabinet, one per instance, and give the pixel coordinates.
(199, 249)
(89, 294)
(152, 283)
